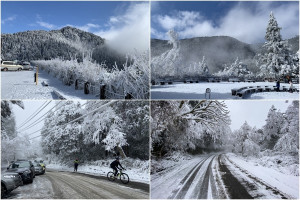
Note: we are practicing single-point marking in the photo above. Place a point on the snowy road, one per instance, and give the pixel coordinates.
(68, 185)
(217, 176)
(21, 85)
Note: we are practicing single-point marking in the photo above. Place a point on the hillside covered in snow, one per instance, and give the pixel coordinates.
(65, 43)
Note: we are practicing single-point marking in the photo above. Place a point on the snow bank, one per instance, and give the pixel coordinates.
(168, 162)
(286, 183)
(137, 170)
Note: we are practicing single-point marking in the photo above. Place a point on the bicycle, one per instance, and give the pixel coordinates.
(124, 178)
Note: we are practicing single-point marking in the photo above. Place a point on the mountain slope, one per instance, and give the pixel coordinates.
(218, 50)
(65, 43)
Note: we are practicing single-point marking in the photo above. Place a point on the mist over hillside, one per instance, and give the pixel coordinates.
(218, 50)
(65, 43)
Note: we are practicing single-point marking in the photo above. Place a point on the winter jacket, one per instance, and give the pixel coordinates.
(116, 163)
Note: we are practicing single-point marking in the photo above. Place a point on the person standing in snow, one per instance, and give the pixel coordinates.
(76, 162)
(291, 87)
(277, 85)
(114, 165)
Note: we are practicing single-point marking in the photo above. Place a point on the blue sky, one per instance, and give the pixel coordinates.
(117, 21)
(245, 21)
(21, 16)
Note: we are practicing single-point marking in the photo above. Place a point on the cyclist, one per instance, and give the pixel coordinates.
(114, 165)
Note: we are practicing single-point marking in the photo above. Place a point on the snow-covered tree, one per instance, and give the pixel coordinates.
(277, 61)
(183, 125)
(236, 69)
(61, 137)
(243, 142)
(272, 128)
(289, 141)
(168, 63)
(96, 130)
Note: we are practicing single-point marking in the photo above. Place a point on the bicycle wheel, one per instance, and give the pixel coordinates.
(124, 178)
(110, 176)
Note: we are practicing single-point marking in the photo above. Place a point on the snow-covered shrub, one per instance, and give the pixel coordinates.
(250, 148)
(133, 79)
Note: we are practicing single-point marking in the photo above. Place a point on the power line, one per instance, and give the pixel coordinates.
(45, 117)
(97, 109)
(35, 114)
(40, 119)
(31, 115)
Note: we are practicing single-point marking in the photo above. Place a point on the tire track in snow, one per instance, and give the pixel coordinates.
(188, 180)
(235, 189)
(73, 185)
(258, 181)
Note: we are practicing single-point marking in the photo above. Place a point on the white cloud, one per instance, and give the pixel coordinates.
(44, 24)
(129, 30)
(87, 27)
(241, 22)
(11, 18)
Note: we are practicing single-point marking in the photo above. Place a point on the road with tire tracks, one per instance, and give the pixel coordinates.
(70, 185)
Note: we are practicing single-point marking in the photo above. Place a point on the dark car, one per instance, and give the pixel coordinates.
(9, 182)
(38, 168)
(24, 168)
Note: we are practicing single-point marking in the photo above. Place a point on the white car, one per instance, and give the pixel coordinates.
(26, 66)
(10, 66)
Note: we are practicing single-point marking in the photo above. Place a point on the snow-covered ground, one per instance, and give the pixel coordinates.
(220, 90)
(167, 181)
(286, 183)
(137, 170)
(21, 85)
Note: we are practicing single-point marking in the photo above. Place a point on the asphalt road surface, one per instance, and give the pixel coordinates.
(212, 177)
(69, 185)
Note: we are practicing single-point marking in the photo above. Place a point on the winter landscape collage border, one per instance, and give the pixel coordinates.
(198, 110)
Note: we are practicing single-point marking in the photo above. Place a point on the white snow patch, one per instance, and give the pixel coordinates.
(21, 85)
(220, 90)
(288, 184)
(136, 169)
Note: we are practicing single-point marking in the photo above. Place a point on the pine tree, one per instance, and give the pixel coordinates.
(272, 128)
(277, 60)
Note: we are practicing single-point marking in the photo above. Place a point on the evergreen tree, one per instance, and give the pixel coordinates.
(272, 128)
(277, 60)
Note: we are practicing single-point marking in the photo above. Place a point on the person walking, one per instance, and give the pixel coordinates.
(76, 163)
(277, 85)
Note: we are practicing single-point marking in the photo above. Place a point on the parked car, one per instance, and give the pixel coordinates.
(24, 168)
(26, 66)
(9, 182)
(38, 168)
(10, 66)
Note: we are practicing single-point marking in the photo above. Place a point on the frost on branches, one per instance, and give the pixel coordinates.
(132, 79)
(95, 130)
(280, 134)
(289, 141)
(13, 145)
(170, 63)
(187, 125)
(243, 143)
(167, 64)
(278, 60)
(236, 69)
